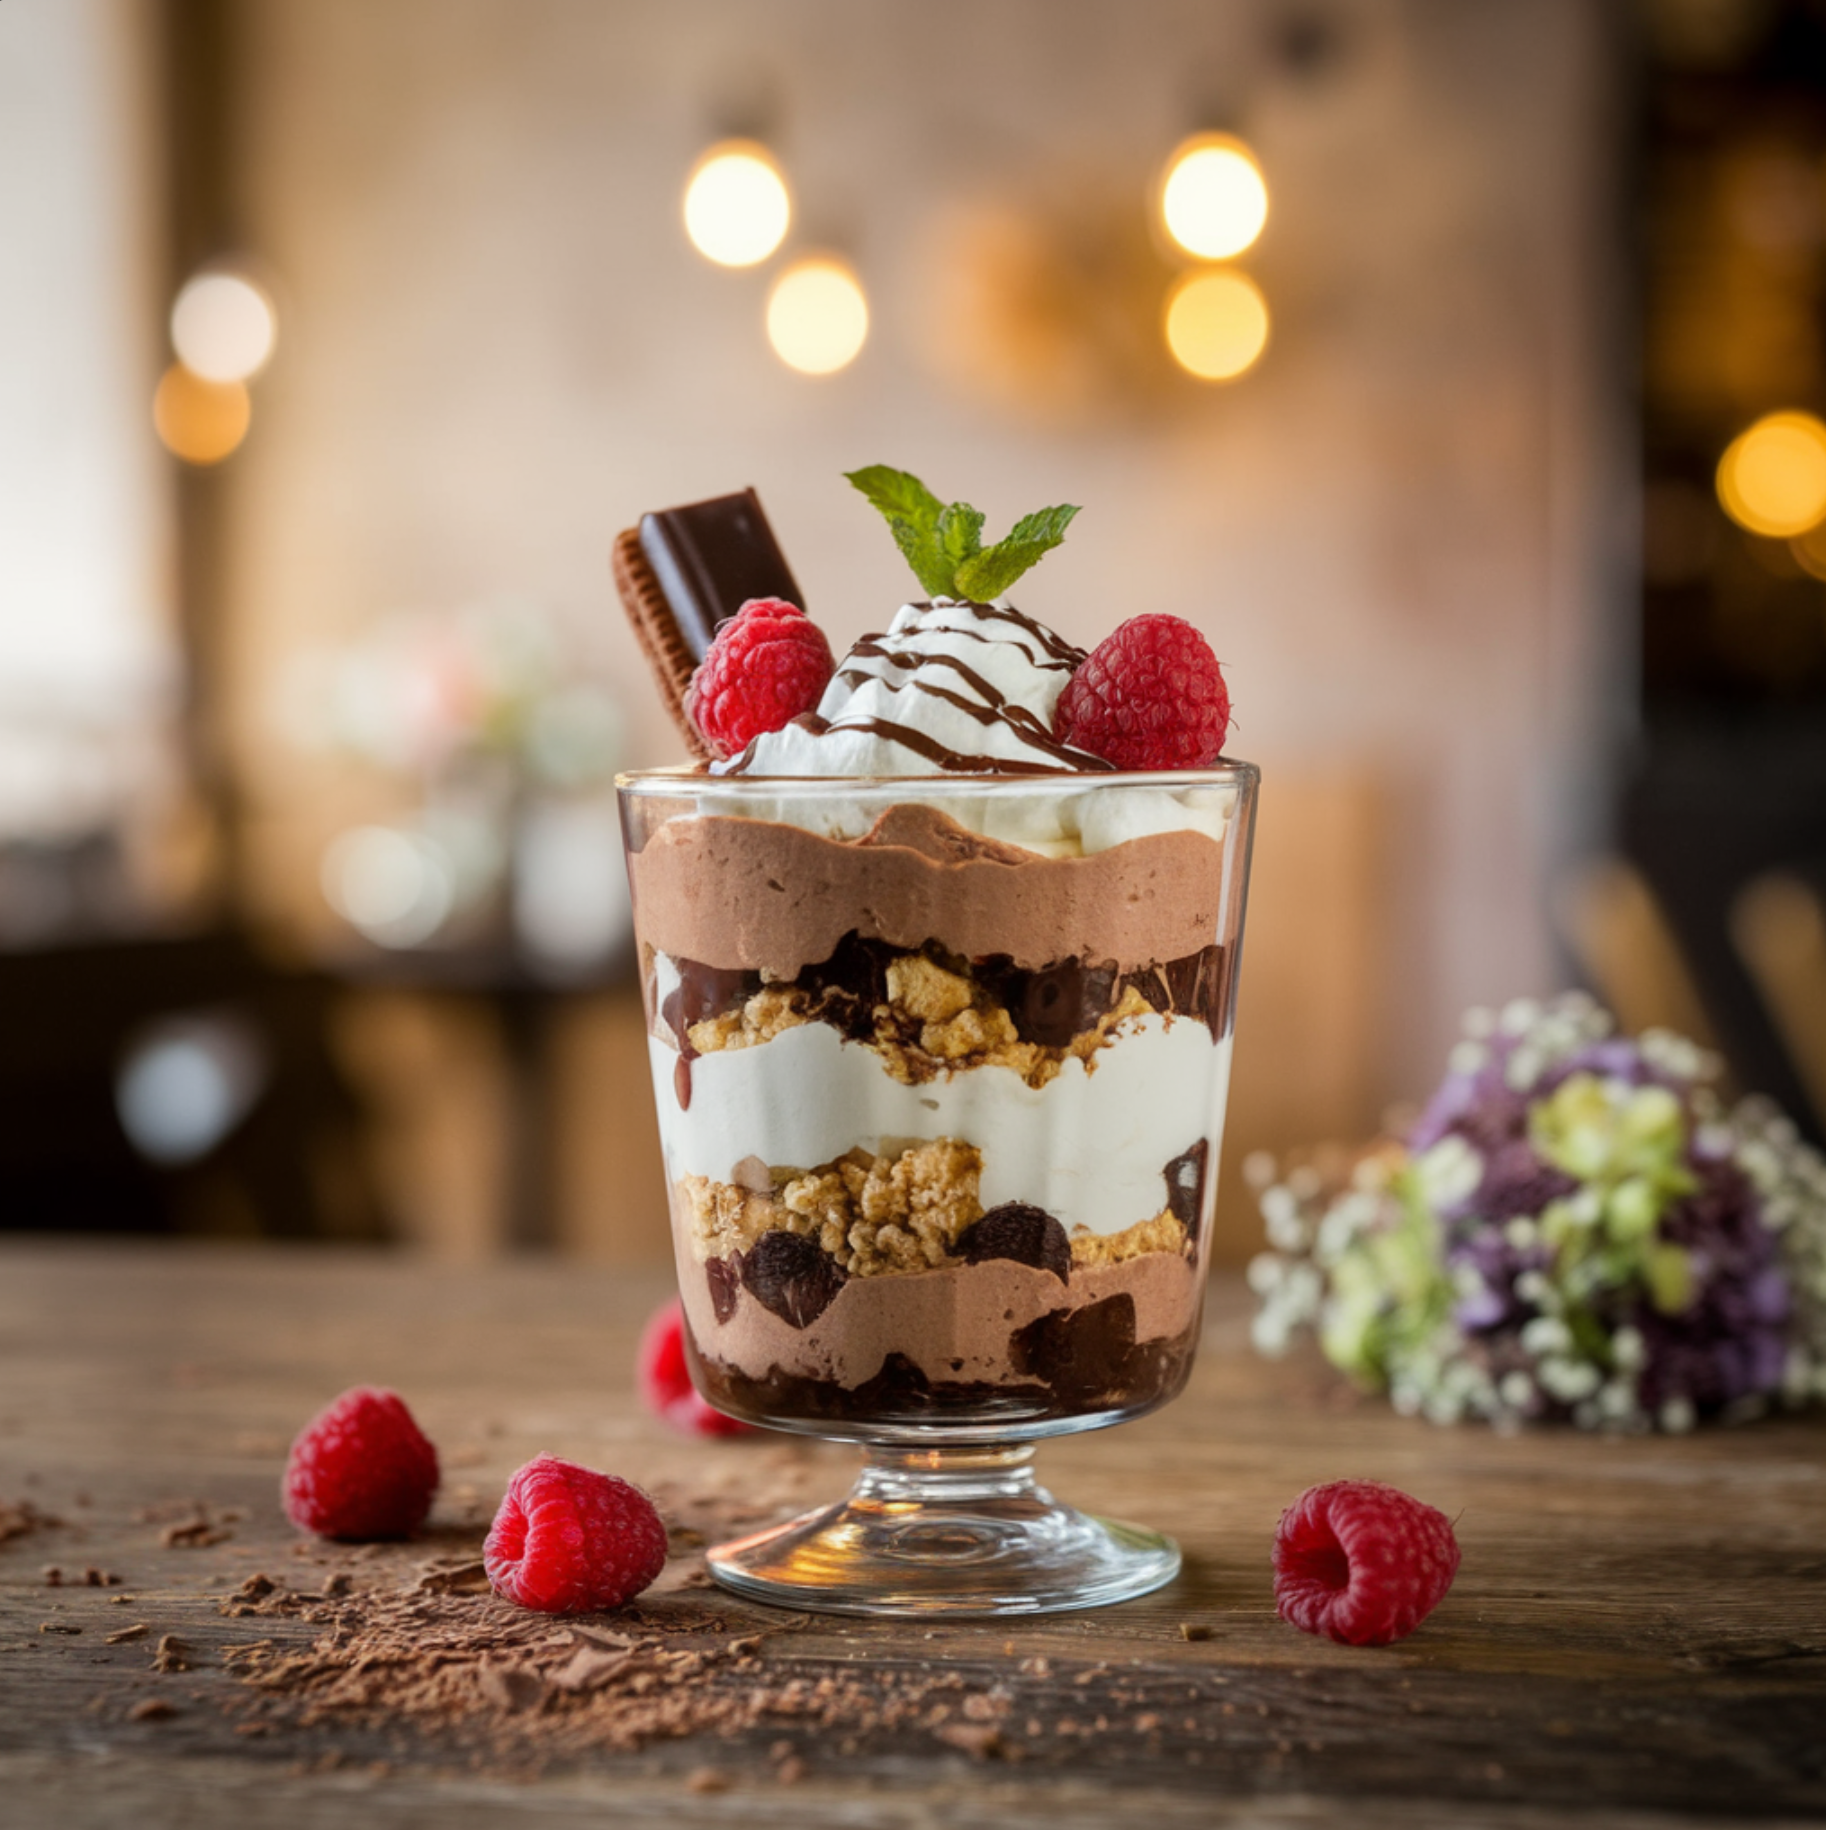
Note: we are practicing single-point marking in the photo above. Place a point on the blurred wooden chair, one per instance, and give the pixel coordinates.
(1778, 926)
(1611, 921)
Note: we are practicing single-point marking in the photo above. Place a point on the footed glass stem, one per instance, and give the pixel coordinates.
(964, 1531)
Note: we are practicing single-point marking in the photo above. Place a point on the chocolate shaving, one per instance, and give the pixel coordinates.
(1020, 1231)
(792, 1276)
(724, 1278)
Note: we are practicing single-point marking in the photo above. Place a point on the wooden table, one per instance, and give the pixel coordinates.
(1638, 1630)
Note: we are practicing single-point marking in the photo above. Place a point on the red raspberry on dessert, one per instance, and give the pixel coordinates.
(1151, 695)
(766, 665)
(665, 1379)
(568, 1539)
(360, 1469)
(1361, 1562)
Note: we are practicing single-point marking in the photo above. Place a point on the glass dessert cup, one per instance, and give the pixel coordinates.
(941, 1065)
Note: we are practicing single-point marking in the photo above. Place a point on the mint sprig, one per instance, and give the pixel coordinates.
(943, 542)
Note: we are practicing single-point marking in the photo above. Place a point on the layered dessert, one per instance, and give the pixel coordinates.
(938, 990)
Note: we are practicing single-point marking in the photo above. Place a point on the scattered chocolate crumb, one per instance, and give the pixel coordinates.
(512, 1687)
(138, 1630)
(1146, 1724)
(56, 1626)
(21, 1518)
(122, 1601)
(173, 1654)
(194, 1534)
(977, 1739)
(338, 1582)
(470, 1577)
(1194, 1629)
(706, 1779)
(254, 1587)
(53, 1576)
(790, 1771)
(151, 1709)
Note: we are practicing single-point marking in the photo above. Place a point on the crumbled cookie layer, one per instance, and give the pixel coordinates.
(872, 1214)
(933, 1021)
(876, 1215)
(1164, 1233)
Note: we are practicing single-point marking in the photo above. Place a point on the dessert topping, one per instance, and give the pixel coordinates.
(768, 663)
(360, 1469)
(1361, 1562)
(1151, 696)
(943, 542)
(665, 1379)
(568, 1539)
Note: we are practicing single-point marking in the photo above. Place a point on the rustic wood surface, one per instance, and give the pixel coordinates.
(1637, 1634)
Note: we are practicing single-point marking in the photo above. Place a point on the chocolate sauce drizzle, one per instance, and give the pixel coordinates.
(981, 701)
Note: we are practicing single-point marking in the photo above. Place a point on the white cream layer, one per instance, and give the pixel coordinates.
(1088, 1147)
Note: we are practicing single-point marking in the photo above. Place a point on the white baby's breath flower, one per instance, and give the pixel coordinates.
(1270, 1333)
(1278, 1203)
(1258, 1169)
(1544, 1335)
(1628, 1349)
(1519, 1016)
(1265, 1273)
(1467, 1058)
(1523, 1068)
(1522, 1233)
(1516, 1390)
(1449, 1173)
(1305, 1183)
(1677, 1416)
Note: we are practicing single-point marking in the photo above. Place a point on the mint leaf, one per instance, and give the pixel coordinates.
(924, 552)
(898, 494)
(943, 542)
(989, 573)
(960, 532)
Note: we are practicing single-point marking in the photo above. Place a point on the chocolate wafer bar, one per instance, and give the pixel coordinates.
(656, 629)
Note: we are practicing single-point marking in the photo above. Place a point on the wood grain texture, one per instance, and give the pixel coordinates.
(1638, 1629)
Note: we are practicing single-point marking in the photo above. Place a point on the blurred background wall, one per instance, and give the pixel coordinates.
(372, 605)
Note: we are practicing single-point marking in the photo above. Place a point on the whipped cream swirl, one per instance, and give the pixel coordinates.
(951, 688)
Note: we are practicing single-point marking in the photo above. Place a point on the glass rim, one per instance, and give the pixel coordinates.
(689, 777)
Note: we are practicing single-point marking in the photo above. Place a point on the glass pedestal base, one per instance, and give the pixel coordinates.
(963, 1531)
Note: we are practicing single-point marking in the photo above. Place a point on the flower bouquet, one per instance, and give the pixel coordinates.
(1575, 1229)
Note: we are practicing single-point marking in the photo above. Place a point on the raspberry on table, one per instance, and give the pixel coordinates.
(568, 1539)
(766, 665)
(360, 1469)
(1151, 695)
(1361, 1562)
(665, 1379)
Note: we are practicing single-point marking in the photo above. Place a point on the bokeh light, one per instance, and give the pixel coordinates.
(1216, 324)
(817, 316)
(200, 421)
(1213, 200)
(1772, 478)
(395, 887)
(223, 326)
(736, 204)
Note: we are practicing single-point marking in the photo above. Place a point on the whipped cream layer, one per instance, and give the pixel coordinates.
(950, 688)
(1089, 1147)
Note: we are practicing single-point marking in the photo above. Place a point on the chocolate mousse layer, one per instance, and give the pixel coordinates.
(758, 896)
(995, 1341)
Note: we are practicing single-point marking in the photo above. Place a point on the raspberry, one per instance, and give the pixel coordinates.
(766, 665)
(567, 1539)
(1361, 1562)
(1151, 696)
(361, 1468)
(665, 1379)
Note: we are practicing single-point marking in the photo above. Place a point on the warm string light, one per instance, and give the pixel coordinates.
(1213, 205)
(737, 208)
(1772, 477)
(223, 328)
(817, 316)
(1213, 200)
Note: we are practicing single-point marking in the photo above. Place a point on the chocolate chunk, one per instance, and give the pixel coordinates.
(710, 558)
(1199, 985)
(1185, 1177)
(1083, 1354)
(1027, 1234)
(724, 1276)
(793, 1276)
